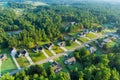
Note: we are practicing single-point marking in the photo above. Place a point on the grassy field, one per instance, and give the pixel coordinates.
(72, 46)
(23, 62)
(57, 49)
(7, 65)
(48, 52)
(36, 56)
(91, 35)
(83, 39)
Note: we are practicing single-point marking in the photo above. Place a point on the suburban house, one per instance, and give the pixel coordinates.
(61, 44)
(73, 23)
(86, 31)
(21, 53)
(3, 56)
(74, 39)
(81, 35)
(57, 68)
(49, 46)
(107, 40)
(37, 49)
(13, 51)
(92, 49)
(71, 60)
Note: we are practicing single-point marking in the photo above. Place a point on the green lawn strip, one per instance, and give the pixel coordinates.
(23, 62)
(72, 46)
(111, 44)
(7, 65)
(57, 49)
(36, 56)
(42, 43)
(91, 35)
(83, 39)
(48, 52)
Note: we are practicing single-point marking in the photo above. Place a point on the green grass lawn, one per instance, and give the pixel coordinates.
(67, 68)
(72, 46)
(22, 61)
(36, 56)
(74, 34)
(83, 39)
(7, 65)
(111, 44)
(48, 52)
(91, 35)
(57, 49)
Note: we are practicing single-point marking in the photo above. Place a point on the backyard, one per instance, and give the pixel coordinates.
(5, 68)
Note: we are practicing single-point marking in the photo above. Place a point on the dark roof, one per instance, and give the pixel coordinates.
(38, 47)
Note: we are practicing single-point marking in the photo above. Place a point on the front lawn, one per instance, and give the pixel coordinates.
(36, 56)
(91, 35)
(57, 49)
(83, 39)
(48, 52)
(23, 62)
(74, 44)
(7, 65)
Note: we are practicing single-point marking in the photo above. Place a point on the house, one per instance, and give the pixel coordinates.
(21, 53)
(107, 40)
(86, 31)
(3, 56)
(13, 51)
(61, 44)
(81, 35)
(71, 60)
(49, 46)
(92, 49)
(57, 68)
(73, 23)
(37, 49)
(74, 39)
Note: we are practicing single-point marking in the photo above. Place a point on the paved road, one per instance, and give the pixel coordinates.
(60, 54)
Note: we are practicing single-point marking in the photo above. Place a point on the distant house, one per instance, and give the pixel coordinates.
(86, 31)
(49, 46)
(73, 23)
(74, 39)
(3, 56)
(71, 60)
(61, 44)
(21, 53)
(92, 49)
(107, 40)
(57, 68)
(81, 35)
(13, 51)
(37, 49)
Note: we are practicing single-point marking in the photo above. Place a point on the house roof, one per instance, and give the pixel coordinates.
(57, 68)
(71, 59)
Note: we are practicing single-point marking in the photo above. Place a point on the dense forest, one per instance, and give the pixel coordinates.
(35, 22)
